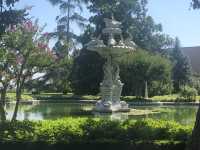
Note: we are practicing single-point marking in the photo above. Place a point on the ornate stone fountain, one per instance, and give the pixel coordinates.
(112, 50)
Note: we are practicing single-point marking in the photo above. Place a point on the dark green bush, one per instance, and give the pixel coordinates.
(189, 93)
(79, 131)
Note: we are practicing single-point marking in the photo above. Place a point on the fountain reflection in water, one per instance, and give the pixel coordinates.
(112, 50)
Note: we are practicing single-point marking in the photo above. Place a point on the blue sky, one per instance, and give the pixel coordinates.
(175, 16)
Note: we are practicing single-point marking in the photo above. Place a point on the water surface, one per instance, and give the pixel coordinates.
(182, 114)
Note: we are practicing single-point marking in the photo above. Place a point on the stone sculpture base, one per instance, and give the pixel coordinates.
(111, 93)
(109, 107)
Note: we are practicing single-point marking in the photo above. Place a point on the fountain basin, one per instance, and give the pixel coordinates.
(109, 107)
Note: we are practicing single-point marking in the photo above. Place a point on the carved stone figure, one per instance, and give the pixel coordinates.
(111, 86)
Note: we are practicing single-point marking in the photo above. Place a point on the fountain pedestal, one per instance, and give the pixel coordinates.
(110, 101)
(111, 86)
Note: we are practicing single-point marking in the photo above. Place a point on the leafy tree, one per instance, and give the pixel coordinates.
(139, 72)
(135, 21)
(135, 70)
(66, 43)
(30, 52)
(195, 4)
(70, 15)
(6, 76)
(87, 73)
(55, 79)
(181, 69)
(9, 15)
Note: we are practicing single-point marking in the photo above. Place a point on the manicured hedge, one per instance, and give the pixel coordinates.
(83, 133)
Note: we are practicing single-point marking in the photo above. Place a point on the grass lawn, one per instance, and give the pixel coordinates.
(25, 96)
(71, 96)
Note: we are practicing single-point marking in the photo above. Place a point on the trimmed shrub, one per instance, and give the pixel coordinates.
(79, 132)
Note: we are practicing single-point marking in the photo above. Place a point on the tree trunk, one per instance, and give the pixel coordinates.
(139, 92)
(194, 143)
(2, 104)
(68, 26)
(146, 95)
(2, 113)
(3, 95)
(18, 98)
(20, 83)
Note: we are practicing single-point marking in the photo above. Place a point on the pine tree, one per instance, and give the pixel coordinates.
(70, 15)
(181, 69)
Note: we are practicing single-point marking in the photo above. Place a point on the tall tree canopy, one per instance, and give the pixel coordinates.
(87, 73)
(9, 15)
(142, 74)
(195, 4)
(182, 68)
(136, 70)
(70, 15)
(66, 42)
(135, 21)
(26, 53)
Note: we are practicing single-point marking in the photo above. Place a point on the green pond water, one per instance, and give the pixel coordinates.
(182, 114)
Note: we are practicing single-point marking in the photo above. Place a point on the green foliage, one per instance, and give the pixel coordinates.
(161, 87)
(27, 53)
(135, 21)
(196, 82)
(27, 50)
(9, 15)
(70, 14)
(87, 73)
(189, 93)
(135, 69)
(143, 66)
(166, 98)
(61, 96)
(64, 131)
(157, 130)
(54, 97)
(90, 97)
(19, 131)
(84, 130)
(55, 79)
(181, 69)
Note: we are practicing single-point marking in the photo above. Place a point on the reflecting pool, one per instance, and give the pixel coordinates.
(182, 114)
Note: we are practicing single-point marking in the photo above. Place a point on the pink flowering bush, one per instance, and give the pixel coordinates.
(27, 50)
(26, 41)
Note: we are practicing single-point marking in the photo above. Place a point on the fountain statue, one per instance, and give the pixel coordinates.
(112, 51)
